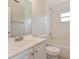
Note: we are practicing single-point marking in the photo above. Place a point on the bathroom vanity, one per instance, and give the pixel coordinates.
(29, 48)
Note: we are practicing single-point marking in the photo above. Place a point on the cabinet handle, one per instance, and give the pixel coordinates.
(32, 53)
(36, 51)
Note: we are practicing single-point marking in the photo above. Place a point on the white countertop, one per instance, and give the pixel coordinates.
(16, 47)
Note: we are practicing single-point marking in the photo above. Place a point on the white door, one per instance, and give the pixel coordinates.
(40, 53)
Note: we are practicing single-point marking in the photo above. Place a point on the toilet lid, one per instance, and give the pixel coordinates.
(53, 49)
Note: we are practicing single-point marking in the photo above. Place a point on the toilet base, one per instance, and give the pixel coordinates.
(52, 57)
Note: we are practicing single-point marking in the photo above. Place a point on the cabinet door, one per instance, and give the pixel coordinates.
(29, 55)
(25, 55)
(40, 53)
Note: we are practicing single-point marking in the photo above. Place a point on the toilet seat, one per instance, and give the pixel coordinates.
(53, 50)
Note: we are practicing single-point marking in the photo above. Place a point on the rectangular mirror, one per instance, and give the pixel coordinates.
(19, 18)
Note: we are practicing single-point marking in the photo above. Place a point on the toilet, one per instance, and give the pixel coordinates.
(52, 52)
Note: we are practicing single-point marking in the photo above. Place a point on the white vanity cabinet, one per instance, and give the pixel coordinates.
(28, 54)
(38, 51)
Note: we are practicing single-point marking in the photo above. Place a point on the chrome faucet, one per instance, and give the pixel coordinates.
(19, 38)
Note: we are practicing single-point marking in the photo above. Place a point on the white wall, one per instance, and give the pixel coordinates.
(60, 31)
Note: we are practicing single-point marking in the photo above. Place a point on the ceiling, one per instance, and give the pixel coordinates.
(56, 2)
(59, 4)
